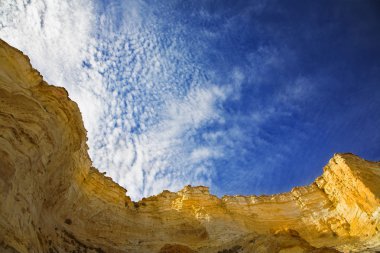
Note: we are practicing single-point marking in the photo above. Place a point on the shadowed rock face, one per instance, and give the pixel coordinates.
(53, 200)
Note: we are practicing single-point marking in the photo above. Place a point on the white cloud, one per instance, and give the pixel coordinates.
(132, 86)
(173, 139)
(144, 99)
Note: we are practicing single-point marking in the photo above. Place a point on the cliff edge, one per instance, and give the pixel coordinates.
(53, 200)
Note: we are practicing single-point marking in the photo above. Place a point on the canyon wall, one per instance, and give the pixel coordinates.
(53, 200)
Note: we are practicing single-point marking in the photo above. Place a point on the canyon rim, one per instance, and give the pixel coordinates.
(53, 200)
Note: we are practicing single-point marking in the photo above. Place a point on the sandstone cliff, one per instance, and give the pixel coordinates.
(53, 200)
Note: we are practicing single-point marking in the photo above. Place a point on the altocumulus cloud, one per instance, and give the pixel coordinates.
(142, 109)
(229, 95)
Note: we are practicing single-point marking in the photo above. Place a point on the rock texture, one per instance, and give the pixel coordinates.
(53, 200)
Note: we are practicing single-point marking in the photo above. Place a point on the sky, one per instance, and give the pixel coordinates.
(247, 97)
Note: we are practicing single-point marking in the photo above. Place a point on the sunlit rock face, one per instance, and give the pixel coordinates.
(53, 200)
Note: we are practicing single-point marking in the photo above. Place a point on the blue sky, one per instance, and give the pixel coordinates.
(247, 97)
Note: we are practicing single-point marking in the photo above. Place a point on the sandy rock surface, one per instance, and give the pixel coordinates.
(53, 200)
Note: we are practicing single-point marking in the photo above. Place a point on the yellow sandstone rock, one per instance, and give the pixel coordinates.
(53, 200)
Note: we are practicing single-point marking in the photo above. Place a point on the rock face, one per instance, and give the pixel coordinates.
(53, 200)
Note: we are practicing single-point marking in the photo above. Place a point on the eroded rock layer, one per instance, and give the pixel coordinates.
(53, 200)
